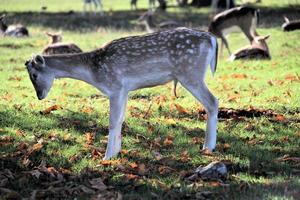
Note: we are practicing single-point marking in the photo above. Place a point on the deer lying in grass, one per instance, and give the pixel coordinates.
(12, 30)
(290, 25)
(57, 47)
(147, 20)
(245, 18)
(132, 63)
(257, 50)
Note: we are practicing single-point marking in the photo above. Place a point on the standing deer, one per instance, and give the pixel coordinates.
(57, 47)
(257, 50)
(152, 4)
(97, 3)
(133, 4)
(12, 30)
(215, 3)
(245, 18)
(136, 62)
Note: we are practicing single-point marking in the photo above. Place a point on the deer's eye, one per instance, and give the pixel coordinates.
(34, 76)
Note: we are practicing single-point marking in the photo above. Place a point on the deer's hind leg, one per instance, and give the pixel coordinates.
(193, 81)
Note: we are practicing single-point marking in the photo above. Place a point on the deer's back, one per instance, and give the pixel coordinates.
(175, 45)
(232, 17)
(61, 48)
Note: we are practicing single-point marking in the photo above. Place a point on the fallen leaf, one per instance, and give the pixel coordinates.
(280, 118)
(168, 141)
(184, 156)
(180, 109)
(50, 109)
(90, 137)
(239, 76)
(133, 165)
(165, 170)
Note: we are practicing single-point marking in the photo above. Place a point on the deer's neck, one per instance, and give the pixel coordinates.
(150, 25)
(76, 66)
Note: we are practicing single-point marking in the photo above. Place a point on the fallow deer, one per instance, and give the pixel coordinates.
(133, 4)
(12, 30)
(97, 4)
(258, 50)
(245, 18)
(136, 62)
(152, 4)
(57, 47)
(147, 20)
(215, 3)
(290, 25)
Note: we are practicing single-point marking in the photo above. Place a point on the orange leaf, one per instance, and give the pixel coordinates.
(239, 76)
(37, 146)
(51, 108)
(280, 118)
(226, 146)
(89, 138)
(214, 183)
(133, 165)
(168, 141)
(180, 109)
(110, 162)
(131, 176)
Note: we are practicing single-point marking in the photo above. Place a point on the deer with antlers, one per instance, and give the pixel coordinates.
(133, 63)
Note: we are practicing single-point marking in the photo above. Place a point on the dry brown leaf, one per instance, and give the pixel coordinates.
(226, 146)
(165, 169)
(50, 109)
(90, 137)
(131, 176)
(168, 141)
(133, 165)
(196, 140)
(181, 109)
(280, 118)
(184, 156)
(239, 76)
(110, 162)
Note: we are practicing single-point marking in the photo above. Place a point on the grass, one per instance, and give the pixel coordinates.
(252, 145)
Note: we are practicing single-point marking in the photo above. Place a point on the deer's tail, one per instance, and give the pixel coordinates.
(214, 58)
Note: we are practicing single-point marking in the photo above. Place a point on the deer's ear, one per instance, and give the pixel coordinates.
(266, 37)
(49, 34)
(39, 60)
(286, 19)
(2, 17)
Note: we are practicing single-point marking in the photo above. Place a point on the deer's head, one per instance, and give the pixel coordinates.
(55, 37)
(40, 75)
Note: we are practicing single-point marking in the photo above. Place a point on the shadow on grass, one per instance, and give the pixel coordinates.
(126, 20)
(261, 162)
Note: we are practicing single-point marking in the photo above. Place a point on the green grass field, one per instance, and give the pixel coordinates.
(262, 153)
